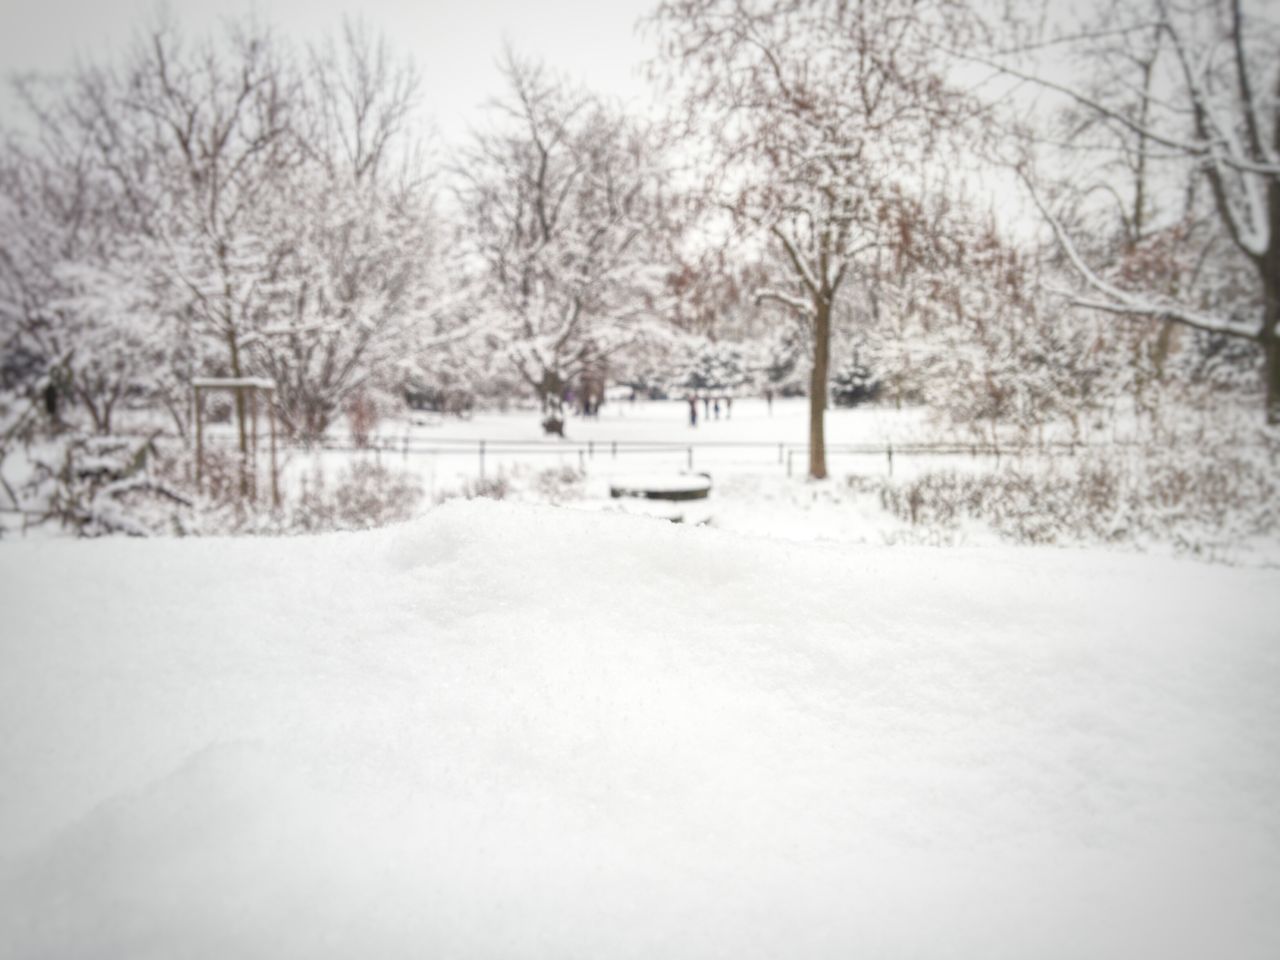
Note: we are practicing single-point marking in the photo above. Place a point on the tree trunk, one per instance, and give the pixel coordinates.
(1270, 270)
(818, 390)
(1271, 368)
(551, 392)
(240, 415)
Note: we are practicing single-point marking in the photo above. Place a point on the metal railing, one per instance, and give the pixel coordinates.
(586, 450)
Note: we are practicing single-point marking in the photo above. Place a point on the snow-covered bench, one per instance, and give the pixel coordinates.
(662, 486)
(677, 497)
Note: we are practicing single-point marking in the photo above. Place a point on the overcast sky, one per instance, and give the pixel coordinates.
(455, 42)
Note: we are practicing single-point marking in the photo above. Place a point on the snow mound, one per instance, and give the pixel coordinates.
(522, 732)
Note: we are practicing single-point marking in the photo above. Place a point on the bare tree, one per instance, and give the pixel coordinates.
(565, 210)
(215, 122)
(70, 296)
(357, 234)
(236, 210)
(1186, 97)
(821, 115)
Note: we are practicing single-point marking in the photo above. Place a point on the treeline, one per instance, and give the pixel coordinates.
(819, 205)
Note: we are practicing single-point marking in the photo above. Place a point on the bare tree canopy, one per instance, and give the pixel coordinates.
(235, 207)
(823, 118)
(1181, 118)
(565, 204)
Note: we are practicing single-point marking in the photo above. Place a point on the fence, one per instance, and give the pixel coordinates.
(588, 450)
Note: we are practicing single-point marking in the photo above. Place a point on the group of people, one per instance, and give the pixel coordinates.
(709, 405)
(585, 405)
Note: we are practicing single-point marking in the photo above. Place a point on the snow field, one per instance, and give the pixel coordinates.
(514, 731)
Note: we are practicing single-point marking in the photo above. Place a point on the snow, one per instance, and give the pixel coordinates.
(518, 731)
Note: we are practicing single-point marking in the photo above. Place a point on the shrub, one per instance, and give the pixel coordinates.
(363, 496)
(1205, 502)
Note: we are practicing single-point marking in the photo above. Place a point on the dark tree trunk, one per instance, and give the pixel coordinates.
(241, 415)
(1270, 341)
(1269, 267)
(551, 393)
(818, 389)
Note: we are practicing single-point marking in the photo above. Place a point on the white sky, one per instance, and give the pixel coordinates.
(455, 42)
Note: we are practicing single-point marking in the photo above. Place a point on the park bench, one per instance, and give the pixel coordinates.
(662, 486)
(676, 497)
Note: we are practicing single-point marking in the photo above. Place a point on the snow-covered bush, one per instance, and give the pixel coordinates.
(783, 365)
(854, 383)
(708, 366)
(552, 485)
(1210, 501)
(364, 495)
(557, 484)
(486, 488)
(96, 486)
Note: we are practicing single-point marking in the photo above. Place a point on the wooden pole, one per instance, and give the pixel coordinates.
(199, 411)
(253, 453)
(275, 483)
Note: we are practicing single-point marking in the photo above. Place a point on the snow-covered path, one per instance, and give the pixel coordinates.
(526, 732)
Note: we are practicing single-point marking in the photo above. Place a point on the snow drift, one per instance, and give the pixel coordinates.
(524, 732)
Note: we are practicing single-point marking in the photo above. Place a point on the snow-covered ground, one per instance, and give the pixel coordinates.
(754, 455)
(517, 731)
(650, 436)
(757, 461)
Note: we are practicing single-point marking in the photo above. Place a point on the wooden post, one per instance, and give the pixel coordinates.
(199, 411)
(275, 482)
(253, 451)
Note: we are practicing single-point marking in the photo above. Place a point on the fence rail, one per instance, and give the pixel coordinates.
(784, 453)
(590, 449)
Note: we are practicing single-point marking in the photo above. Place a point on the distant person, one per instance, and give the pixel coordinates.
(716, 407)
(706, 408)
(693, 411)
(768, 399)
(728, 408)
